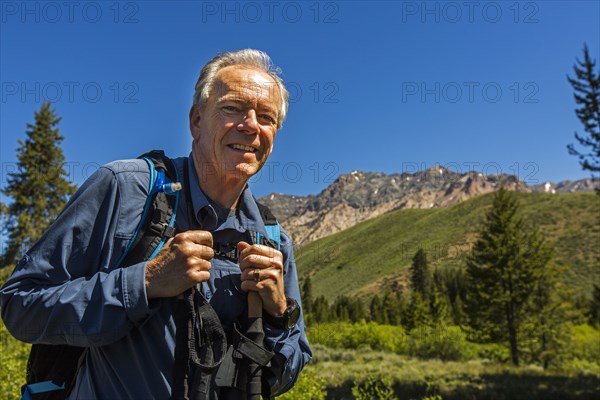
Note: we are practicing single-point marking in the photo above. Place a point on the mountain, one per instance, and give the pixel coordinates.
(376, 254)
(359, 196)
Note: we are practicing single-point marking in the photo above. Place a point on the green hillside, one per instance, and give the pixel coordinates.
(378, 252)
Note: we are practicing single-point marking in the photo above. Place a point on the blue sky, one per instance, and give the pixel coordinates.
(375, 86)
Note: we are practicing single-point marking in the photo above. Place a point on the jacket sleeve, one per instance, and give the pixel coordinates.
(291, 348)
(66, 290)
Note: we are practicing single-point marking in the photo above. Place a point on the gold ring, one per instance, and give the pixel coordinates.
(256, 275)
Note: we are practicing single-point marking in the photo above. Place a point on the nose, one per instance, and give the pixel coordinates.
(249, 123)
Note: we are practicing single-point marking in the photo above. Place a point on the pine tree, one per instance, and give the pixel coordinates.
(501, 275)
(438, 300)
(402, 304)
(586, 85)
(594, 311)
(458, 312)
(419, 274)
(356, 310)
(391, 309)
(39, 188)
(548, 326)
(341, 308)
(451, 282)
(306, 296)
(376, 310)
(417, 314)
(321, 310)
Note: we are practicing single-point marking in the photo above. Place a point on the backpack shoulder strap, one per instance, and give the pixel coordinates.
(158, 218)
(271, 225)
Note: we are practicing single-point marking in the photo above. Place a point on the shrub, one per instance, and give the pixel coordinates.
(584, 343)
(497, 352)
(374, 387)
(359, 335)
(13, 359)
(308, 387)
(445, 343)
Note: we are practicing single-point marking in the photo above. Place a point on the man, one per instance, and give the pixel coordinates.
(66, 290)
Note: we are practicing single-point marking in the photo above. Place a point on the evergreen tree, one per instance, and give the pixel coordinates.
(594, 312)
(438, 301)
(549, 324)
(356, 310)
(39, 188)
(402, 304)
(341, 309)
(451, 282)
(586, 85)
(306, 296)
(458, 312)
(321, 311)
(419, 274)
(376, 310)
(501, 275)
(417, 314)
(391, 309)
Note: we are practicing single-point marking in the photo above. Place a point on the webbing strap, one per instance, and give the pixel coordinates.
(254, 351)
(200, 339)
(273, 240)
(207, 351)
(179, 388)
(40, 387)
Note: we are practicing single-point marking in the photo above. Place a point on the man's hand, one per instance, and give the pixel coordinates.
(183, 262)
(262, 272)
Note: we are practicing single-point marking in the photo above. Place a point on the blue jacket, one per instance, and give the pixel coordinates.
(66, 290)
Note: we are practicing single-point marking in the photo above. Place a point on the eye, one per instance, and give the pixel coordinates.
(230, 109)
(267, 118)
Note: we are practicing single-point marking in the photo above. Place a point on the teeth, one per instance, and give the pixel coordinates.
(243, 148)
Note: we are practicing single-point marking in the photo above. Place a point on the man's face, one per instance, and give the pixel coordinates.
(234, 130)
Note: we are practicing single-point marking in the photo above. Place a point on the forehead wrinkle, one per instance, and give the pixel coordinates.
(251, 97)
(259, 90)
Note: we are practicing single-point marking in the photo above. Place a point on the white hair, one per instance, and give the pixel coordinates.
(251, 58)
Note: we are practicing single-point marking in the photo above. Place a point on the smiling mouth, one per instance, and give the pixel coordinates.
(242, 147)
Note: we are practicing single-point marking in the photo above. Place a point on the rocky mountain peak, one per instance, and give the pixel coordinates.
(359, 195)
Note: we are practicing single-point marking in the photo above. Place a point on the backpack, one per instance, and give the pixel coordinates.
(49, 366)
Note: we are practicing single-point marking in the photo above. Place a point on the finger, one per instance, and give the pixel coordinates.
(258, 286)
(200, 265)
(199, 237)
(259, 275)
(258, 249)
(204, 252)
(241, 247)
(198, 276)
(259, 261)
(194, 250)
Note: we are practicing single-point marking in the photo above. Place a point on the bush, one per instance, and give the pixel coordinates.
(446, 343)
(496, 352)
(13, 359)
(374, 387)
(442, 342)
(308, 387)
(359, 335)
(584, 343)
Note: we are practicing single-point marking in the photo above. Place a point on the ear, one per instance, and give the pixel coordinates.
(195, 121)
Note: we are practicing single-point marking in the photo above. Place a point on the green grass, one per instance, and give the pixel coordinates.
(13, 358)
(477, 379)
(381, 249)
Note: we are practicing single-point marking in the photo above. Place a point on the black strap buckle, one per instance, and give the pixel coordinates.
(164, 230)
(227, 250)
